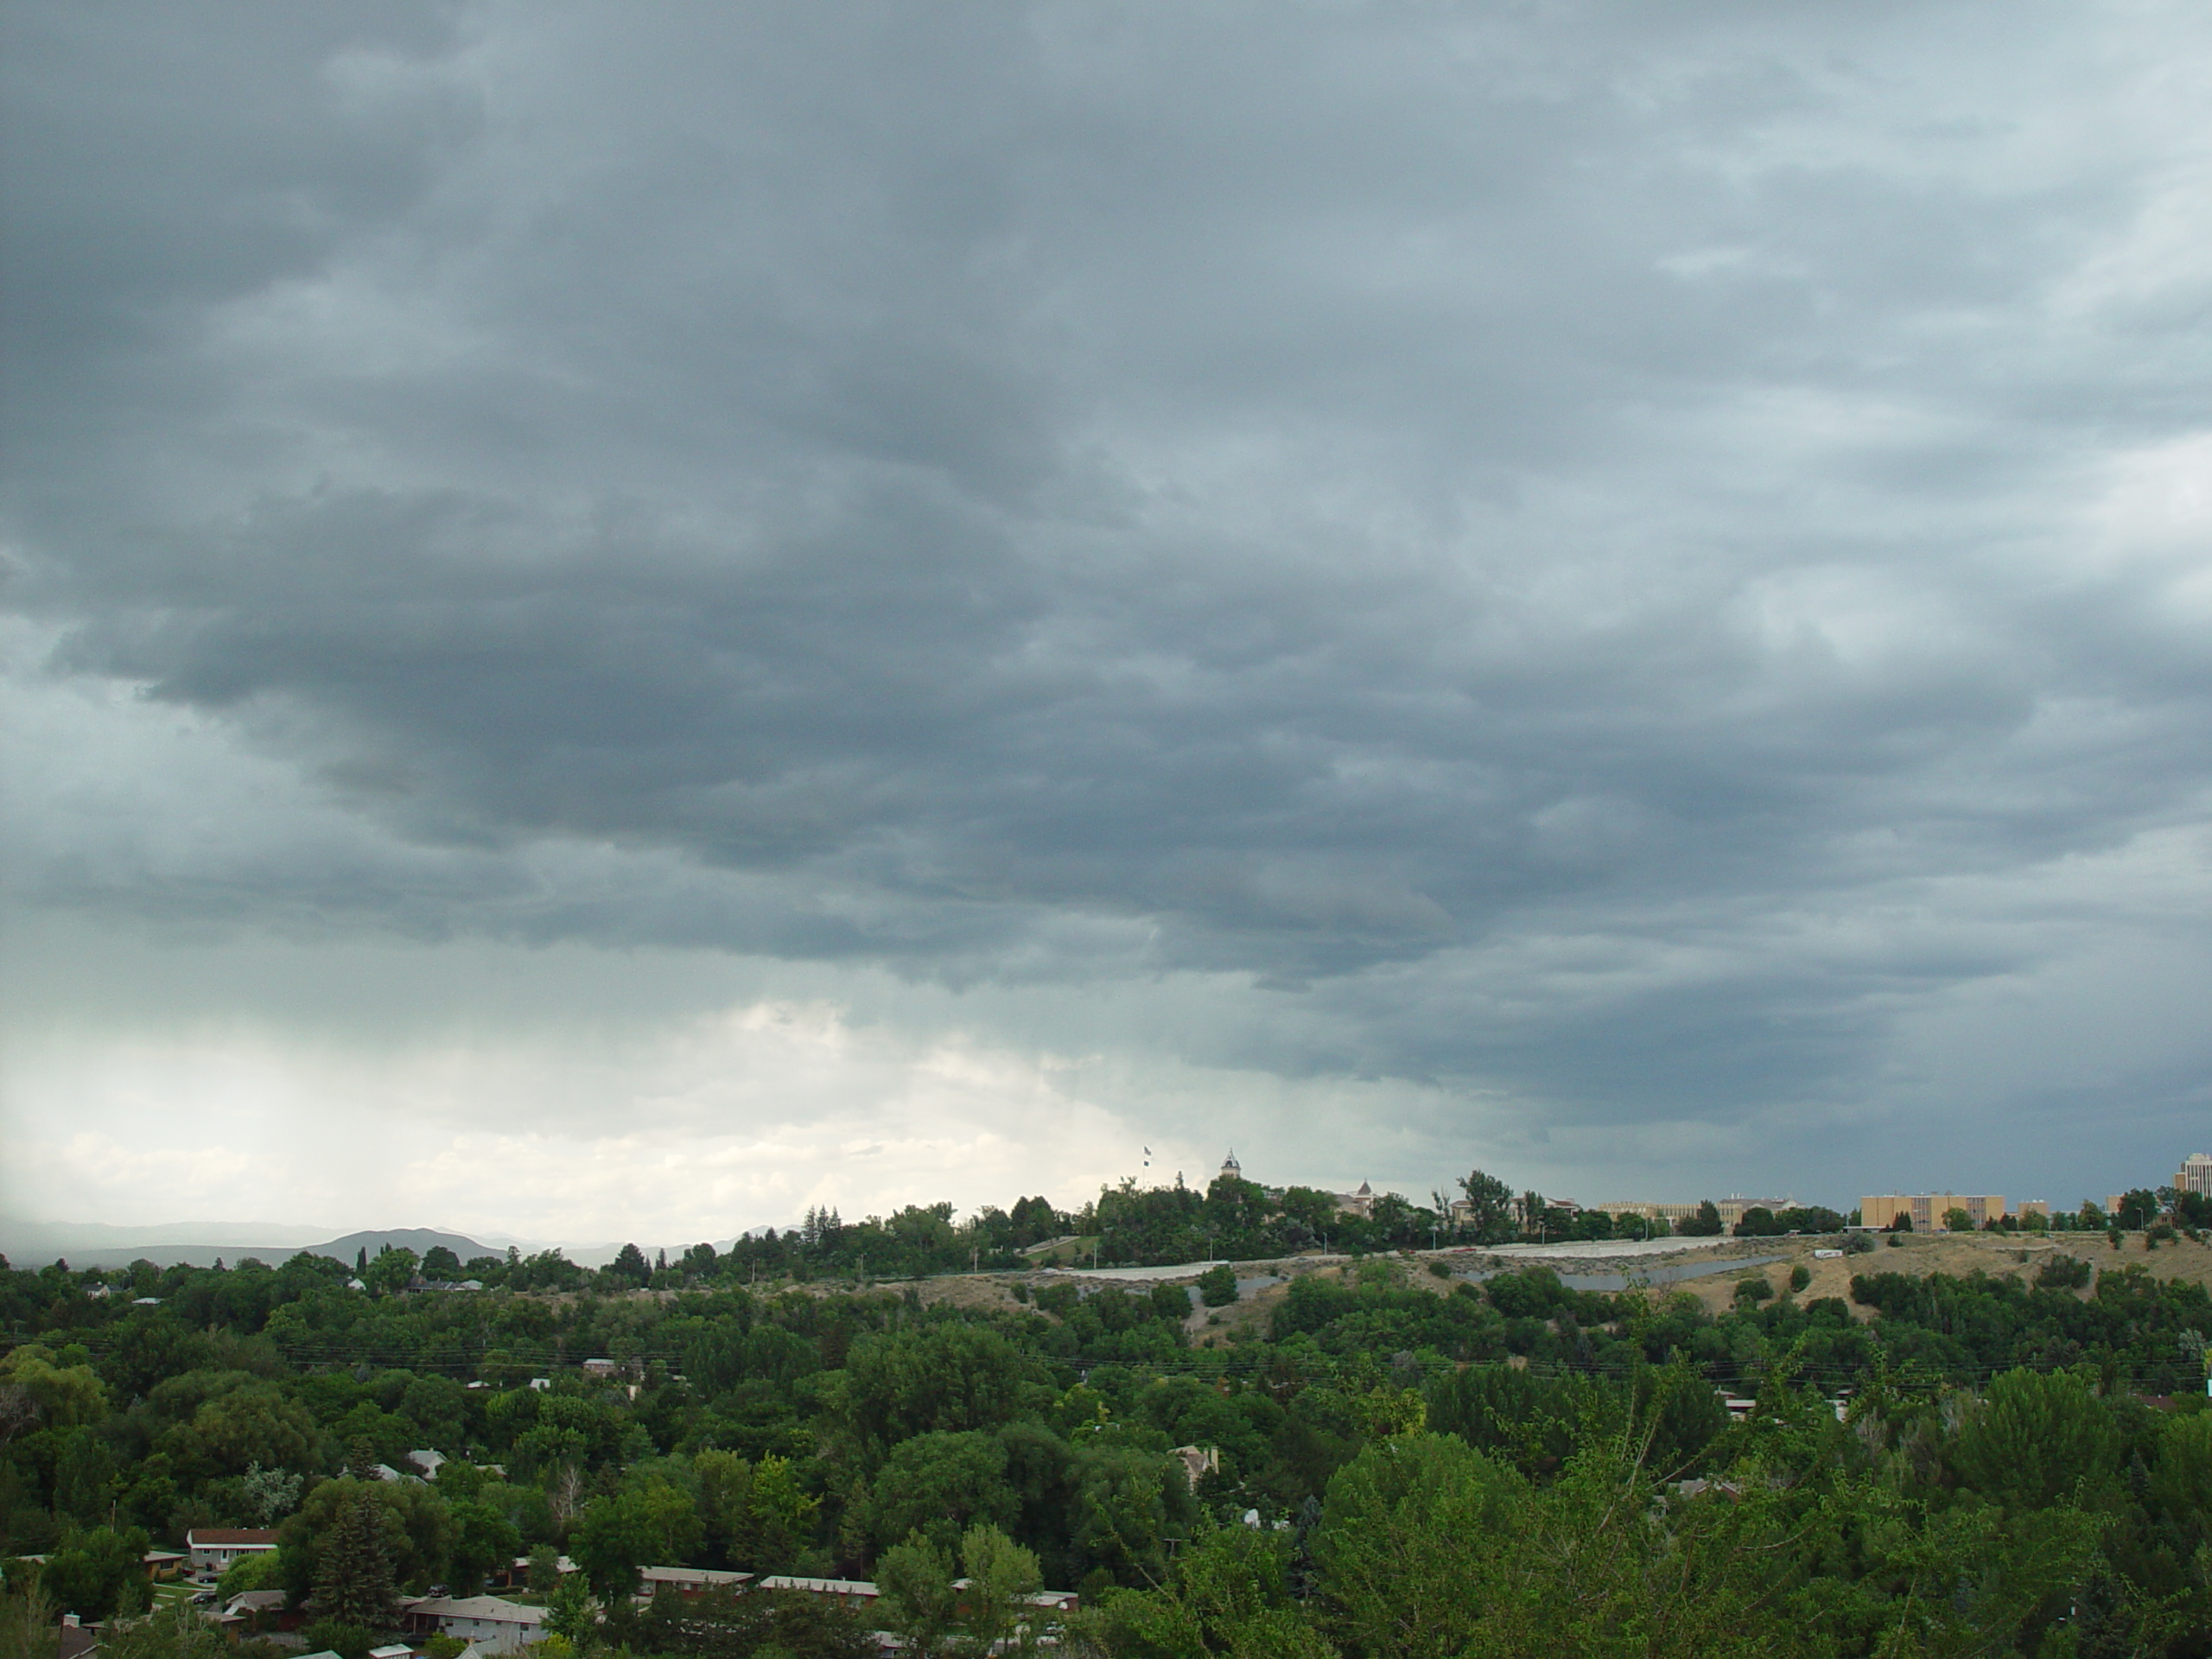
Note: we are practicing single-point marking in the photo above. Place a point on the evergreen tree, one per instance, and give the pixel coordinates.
(628, 1266)
(353, 1582)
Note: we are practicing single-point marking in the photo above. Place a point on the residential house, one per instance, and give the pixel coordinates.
(77, 1637)
(492, 1623)
(253, 1610)
(518, 1574)
(1197, 1461)
(851, 1592)
(213, 1550)
(689, 1580)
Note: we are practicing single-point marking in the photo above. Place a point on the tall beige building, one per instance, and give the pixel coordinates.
(2196, 1174)
(1732, 1209)
(1929, 1209)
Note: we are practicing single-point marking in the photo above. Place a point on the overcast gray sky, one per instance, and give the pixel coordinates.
(620, 620)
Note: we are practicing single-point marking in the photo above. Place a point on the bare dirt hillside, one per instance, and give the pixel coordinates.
(1998, 1255)
(2016, 1255)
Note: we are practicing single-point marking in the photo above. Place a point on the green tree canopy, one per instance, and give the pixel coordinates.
(354, 1582)
(1490, 1207)
(2039, 1437)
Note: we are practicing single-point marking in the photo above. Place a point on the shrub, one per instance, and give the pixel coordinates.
(1800, 1276)
(1530, 1294)
(1218, 1286)
(1442, 1270)
(1058, 1301)
(1753, 1290)
(2062, 1273)
(263, 1570)
(347, 1641)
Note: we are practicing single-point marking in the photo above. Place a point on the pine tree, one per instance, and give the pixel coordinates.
(353, 1580)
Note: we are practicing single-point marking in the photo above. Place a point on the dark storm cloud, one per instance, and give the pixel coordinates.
(1355, 498)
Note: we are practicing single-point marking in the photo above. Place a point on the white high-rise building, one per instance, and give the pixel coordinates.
(2195, 1174)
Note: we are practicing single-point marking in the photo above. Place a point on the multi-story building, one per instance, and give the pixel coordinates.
(1731, 1209)
(2196, 1174)
(1929, 1209)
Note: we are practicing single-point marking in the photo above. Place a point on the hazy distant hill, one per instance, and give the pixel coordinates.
(201, 1245)
(87, 1245)
(421, 1240)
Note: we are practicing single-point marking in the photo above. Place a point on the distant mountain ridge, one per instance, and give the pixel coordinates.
(85, 1244)
(421, 1240)
(95, 1245)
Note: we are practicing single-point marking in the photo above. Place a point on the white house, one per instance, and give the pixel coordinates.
(213, 1549)
(492, 1623)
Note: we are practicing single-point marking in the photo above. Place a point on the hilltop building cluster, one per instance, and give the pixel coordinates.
(1358, 1202)
(1930, 1211)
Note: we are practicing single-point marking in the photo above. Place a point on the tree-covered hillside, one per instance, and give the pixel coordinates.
(1395, 1460)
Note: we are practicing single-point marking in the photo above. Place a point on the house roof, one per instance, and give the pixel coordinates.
(490, 1607)
(256, 1601)
(229, 1537)
(710, 1576)
(820, 1586)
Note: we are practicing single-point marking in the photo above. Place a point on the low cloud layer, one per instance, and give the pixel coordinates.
(1625, 596)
